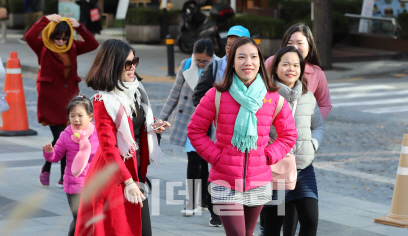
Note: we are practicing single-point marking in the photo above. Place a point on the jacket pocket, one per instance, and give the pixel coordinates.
(218, 158)
(44, 79)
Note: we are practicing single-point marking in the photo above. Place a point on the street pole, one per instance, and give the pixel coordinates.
(56, 6)
(165, 20)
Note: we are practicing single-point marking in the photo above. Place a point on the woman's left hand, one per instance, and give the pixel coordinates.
(158, 123)
(74, 23)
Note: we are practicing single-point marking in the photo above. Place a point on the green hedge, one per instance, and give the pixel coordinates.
(340, 23)
(264, 27)
(402, 20)
(295, 10)
(150, 16)
(17, 6)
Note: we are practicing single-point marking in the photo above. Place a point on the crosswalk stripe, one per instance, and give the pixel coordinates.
(387, 110)
(360, 95)
(372, 102)
(361, 88)
(340, 85)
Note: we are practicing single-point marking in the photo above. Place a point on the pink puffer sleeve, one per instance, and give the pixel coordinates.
(198, 126)
(287, 134)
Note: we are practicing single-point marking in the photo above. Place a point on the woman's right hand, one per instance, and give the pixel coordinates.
(48, 147)
(133, 194)
(54, 18)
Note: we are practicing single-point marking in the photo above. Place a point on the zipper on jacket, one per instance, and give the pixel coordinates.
(245, 167)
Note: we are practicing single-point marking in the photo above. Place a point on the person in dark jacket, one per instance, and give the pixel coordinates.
(32, 13)
(57, 81)
(85, 16)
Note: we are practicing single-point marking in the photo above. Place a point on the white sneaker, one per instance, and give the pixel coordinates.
(60, 184)
(186, 212)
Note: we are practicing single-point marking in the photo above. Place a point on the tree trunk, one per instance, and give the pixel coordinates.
(323, 31)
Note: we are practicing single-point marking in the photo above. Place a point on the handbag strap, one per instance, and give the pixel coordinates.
(278, 108)
(294, 108)
(217, 106)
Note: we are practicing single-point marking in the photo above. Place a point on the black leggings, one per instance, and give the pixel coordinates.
(308, 213)
(197, 168)
(73, 201)
(56, 130)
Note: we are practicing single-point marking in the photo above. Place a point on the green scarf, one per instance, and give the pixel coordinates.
(250, 99)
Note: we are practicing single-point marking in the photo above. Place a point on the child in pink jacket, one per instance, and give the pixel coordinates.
(240, 158)
(79, 143)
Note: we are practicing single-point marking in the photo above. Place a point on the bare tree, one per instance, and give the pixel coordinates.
(323, 31)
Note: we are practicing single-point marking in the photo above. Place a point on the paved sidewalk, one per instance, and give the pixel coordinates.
(21, 158)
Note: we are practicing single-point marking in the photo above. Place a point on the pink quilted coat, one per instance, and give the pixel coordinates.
(66, 146)
(230, 167)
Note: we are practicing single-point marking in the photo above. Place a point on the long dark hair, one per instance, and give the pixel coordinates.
(312, 56)
(277, 58)
(227, 80)
(107, 68)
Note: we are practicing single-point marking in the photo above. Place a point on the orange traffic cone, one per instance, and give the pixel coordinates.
(15, 122)
(398, 215)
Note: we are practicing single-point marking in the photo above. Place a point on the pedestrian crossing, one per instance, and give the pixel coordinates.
(372, 98)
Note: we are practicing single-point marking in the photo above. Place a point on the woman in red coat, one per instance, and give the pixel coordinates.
(127, 139)
(57, 81)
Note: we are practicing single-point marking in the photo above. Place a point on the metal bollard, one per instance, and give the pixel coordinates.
(257, 39)
(170, 55)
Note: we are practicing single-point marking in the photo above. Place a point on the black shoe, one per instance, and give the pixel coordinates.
(215, 221)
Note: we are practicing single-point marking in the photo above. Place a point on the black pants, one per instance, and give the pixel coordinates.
(308, 213)
(56, 130)
(73, 201)
(196, 169)
(146, 223)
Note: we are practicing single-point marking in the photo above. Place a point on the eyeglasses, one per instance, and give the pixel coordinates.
(61, 38)
(129, 64)
(204, 62)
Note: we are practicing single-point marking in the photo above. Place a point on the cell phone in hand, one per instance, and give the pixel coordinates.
(157, 128)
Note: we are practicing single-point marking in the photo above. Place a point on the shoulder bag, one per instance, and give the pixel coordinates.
(285, 169)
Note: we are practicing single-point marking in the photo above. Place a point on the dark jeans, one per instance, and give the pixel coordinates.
(56, 130)
(73, 201)
(308, 213)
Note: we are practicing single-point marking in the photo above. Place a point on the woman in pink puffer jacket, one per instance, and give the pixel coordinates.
(240, 158)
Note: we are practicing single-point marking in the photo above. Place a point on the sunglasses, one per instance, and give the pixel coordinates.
(129, 64)
(204, 62)
(60, 38)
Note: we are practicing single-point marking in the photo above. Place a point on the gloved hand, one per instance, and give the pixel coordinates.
(133, 194)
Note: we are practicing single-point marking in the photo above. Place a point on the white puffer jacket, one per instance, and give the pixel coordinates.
(309, 123)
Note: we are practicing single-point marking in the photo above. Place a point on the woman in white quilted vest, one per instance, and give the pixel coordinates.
(180, 103)
(287, 71)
